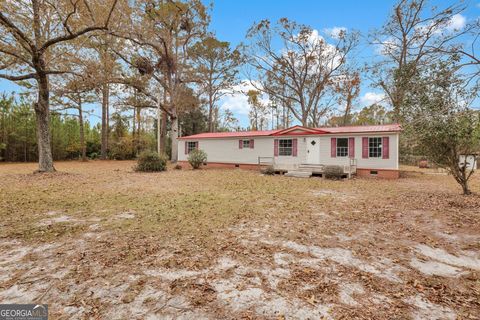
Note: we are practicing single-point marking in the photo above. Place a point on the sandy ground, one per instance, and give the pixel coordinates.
(98, 241)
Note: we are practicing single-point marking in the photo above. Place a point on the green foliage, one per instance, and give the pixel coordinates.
(121, 149)
(333, 172)
(149, 161)
(370, 115)
(196, 158)
(439, 123)
(193, 122)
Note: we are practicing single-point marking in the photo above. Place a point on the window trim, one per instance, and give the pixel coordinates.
(375, 152)
(347, 148)
(285, 148)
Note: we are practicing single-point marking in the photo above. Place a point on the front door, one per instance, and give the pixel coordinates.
(313, 150)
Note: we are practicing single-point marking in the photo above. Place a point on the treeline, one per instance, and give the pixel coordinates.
(157, 65)
(18, 136)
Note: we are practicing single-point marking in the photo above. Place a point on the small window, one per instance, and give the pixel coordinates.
(375, 147)
(285, 147)
(191, 145)
(342, 147)
(246, 144)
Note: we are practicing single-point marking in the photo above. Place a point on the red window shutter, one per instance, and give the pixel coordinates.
(294, 147)
(252, 144)
(385, 147)
(365, 147)
(240, 144)
(351, 147)
(186, 147)
(333, 147)
(275, 148)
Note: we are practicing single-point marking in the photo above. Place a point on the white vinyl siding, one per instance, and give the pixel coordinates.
(227, 151)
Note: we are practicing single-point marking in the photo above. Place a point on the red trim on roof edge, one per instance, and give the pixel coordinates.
(306, 131)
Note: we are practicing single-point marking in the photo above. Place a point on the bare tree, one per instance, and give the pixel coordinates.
(216, 70)
(348, 90)
(31, 36)
(414, 36)
(164, 31)
(298, 73)
(258, 113)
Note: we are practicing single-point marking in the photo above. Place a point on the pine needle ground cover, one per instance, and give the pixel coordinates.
(100, 240)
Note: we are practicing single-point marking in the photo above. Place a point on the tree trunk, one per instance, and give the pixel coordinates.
(104, 148)
(466, 190)
(82, 132)
(160, 146)
(174, 136)
(210, 115)
(42, 110)
(305, 120)
(163, 133)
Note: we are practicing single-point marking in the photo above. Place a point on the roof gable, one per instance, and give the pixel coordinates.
(299, 130)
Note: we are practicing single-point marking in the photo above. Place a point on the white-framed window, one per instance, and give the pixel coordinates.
(342, 147)
(246, 144)
(191, 145)
(285, 147)
(375, 147)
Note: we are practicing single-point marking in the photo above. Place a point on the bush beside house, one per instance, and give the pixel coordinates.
(149, 161)
(196, 158)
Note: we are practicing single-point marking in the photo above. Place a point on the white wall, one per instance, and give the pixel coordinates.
(226, 150)
(373, 163)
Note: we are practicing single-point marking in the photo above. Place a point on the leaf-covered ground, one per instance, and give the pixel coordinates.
(97, 240)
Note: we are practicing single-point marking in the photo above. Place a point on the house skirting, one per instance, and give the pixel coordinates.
(379, 173)
(361, 172)
(223, 165)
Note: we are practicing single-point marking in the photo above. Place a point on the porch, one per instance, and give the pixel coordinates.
(305, 170)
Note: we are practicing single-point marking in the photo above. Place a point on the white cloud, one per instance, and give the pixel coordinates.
(370, 98)
(237, 102)
(335, 32)
(457, 22)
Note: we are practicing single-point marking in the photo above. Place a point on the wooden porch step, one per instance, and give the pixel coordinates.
(313, 168)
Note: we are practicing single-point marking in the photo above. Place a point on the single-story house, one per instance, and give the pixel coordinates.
(361, 150)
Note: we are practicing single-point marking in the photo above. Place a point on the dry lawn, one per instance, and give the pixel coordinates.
(99, 241)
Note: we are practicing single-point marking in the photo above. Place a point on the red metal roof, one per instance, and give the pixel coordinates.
(308, 131)
(359, 129)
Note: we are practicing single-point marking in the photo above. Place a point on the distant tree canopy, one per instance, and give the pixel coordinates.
(154, 71)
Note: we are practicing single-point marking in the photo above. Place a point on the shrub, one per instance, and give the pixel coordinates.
(269, 171)
(178, 167)
(196, 158)
(149, 161)
(121, 149)
(333, 172)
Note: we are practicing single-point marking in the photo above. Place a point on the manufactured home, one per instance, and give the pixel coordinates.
(360, 150)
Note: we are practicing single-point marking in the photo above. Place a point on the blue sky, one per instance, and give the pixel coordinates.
(232, 18)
